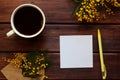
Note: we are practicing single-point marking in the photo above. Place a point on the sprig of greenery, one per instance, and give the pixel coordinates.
(89, 10)
(32, 63)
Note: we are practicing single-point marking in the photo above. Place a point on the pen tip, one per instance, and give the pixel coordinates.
(98, 30)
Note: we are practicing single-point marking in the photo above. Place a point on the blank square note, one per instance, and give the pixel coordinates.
(76, 51)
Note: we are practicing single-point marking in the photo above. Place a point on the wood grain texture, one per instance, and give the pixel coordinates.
(111, 60)
(55, 72)
(56, 11)
(49, 39)
(59, 21)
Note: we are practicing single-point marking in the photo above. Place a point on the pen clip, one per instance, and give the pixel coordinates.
(104, 72)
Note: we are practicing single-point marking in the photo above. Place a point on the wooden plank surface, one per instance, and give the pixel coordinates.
(49, 39)
(56, 11)
(61, 22)
(55, 72)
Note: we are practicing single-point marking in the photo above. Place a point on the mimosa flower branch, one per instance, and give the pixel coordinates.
(32, 63)
(89, 10)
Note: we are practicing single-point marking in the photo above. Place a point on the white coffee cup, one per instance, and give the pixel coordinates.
(21, 19)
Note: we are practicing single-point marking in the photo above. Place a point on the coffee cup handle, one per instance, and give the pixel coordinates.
(10, 33)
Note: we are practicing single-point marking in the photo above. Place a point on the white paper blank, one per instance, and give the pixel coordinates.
(76, 51)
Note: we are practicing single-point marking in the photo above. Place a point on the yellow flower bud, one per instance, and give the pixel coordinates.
(97, 0)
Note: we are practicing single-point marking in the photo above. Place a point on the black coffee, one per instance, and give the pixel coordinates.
(28, 20)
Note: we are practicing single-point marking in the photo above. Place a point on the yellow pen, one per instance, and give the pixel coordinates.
(103, 68)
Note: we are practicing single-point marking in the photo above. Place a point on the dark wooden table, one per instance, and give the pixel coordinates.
(61, 22)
